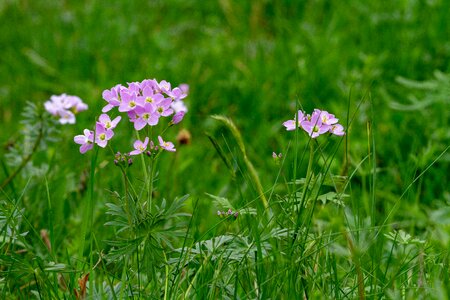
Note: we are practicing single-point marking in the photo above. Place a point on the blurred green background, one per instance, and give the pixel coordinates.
(251, 61)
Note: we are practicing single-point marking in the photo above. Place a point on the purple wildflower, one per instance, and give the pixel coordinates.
(102, 135)
(65, 107)
(314, 126)
(66, 117)
(105, 120)
(168, 146)
(292, 124)
(327, 118)
(144, 116)
(337, 129)
(112, 96)
(86, 141)
(129, 101)
(178, 106)
(139, 147)
(163, 108)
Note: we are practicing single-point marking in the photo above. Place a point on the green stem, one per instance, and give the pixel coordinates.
(308, 172)
(89, 208)
(127, 198)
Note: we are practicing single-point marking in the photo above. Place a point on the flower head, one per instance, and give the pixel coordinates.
(112, 96)
(144, 116)
(65, 107)
(139, 147)
(105, 120)
(292, 124)
(319, 122)
(314, 125)
(102, 135)
(86, 141)
(168, 146)
(144, 102)
(337, 129)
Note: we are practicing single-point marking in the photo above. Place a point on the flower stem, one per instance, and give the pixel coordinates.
(144, 167)
(150, 188)
(308, 173)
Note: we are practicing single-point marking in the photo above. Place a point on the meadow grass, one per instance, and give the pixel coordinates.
(360, 216)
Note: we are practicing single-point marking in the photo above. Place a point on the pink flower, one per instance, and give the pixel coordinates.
(319, 122)
(327, 118)
(112, 96)
(105, 120)
(164, 86)
(139, 147)
(314, 126)
(86, 141)
(102, 135)
(337, 129)
(149, 97)
(292, 124)
(66, 117)
(178, 105)
(178, 93)
(144, 116)
(168, 146)
(129, 101)
(184, 87)
(163, 108)
(178, 117)
(65, 107)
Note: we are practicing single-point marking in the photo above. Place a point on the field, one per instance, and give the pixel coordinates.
(243, 209)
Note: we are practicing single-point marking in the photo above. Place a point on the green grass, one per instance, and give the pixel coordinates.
(382, 68)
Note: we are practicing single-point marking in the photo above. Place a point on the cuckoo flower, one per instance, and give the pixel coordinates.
(105, 120)
(314, 126)
(129, 101)
(102, 135)
(292, 124)
(326, 117)
(168, 146)
(144, 116)
(144, 102)
(66, 117)
(337, 129)
(86, 141)
(319, 122)
(112, 96)
(178, 106)
(139, 147)
(65, 107)
(149, 96)
(163, 108)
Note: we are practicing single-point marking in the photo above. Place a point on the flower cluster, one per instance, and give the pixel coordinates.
(65, 107)
(144, 103)
(319, 122)
(228, 213)
(123, 160)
